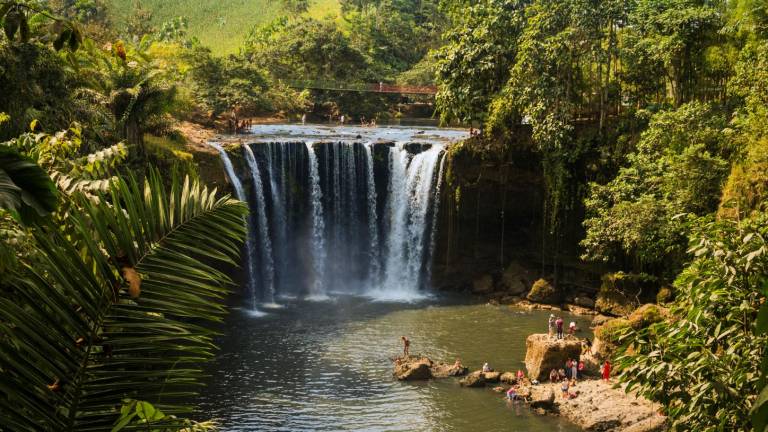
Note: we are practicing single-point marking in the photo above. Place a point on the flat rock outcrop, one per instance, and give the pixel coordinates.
(474, 379)
(414, 368)
(544, 353)
(600, 407)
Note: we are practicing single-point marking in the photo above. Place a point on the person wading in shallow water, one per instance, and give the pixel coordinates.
(406, 346)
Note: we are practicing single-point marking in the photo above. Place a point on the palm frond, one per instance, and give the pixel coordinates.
(118, 308)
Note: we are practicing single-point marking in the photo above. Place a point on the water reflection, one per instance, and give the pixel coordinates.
(325, 367)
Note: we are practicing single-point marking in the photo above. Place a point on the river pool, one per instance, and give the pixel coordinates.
(324, 366)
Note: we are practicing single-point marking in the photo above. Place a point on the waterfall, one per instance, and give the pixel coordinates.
(340, 217)
(250, 264)
(265, 243)
(317, 288)
(277, 171)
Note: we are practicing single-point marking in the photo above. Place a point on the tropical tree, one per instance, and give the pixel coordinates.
(115, 307)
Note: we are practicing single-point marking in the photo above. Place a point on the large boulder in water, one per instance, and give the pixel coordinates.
(492, 376)
(544, 353)
(475, 379)
(508, 378)
(543, 292)
(413, 368)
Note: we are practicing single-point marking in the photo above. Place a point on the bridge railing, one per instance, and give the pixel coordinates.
(360, 87)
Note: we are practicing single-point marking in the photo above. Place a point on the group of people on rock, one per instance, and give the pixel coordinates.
(555, 325)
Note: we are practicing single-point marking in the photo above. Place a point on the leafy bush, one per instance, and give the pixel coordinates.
(703, 363)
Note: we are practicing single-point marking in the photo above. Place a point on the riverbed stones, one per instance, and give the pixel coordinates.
(413, 368)
(542, 397)
(474, 379)
(544, 353)
(508, 378)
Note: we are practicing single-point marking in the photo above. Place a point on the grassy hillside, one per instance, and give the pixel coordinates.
(219, 24)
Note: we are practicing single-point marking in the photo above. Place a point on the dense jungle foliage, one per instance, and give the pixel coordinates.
(651, 116)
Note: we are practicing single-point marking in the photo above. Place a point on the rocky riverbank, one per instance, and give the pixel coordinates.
(599, 406)
(592, 404)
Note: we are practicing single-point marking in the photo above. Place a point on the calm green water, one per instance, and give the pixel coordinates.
(325, 367)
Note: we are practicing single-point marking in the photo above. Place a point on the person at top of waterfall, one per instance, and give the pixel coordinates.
(572, 328)
(486, 368)
(406, 346)
(559, 324)
(304, 119)
(551, 325)
(342, 119)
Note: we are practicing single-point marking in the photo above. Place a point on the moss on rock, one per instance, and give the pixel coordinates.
(543, 292)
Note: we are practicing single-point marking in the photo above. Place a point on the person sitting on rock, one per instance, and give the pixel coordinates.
(406, 346)
(554, 376)
(559, 324)
(486, 368)
(561, 374)
(457, 364)
(572, 328)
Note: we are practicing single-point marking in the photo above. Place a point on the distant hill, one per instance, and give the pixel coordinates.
(219, 24)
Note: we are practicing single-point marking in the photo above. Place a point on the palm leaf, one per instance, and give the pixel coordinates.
(118, 308)
(25, 188)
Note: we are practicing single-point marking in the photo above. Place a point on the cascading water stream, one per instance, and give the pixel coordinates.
(340, 217)
(249, 246)
(374, 270)
(317, 288)
(264, 241)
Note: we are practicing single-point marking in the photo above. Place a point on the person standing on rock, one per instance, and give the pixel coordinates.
(606, 370)
(574, 370)
(559, 324)
(564, 388)
(551, 325)
(406, 346)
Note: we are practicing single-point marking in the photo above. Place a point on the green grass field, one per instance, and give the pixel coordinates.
(221, 25)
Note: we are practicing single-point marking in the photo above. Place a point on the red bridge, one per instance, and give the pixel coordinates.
(363, 87)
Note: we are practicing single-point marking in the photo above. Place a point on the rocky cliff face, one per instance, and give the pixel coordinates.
(491, 218)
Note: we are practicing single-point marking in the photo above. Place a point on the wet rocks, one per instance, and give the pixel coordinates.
(541, 397)
(413, 368)
(544, 353)
(508, 378)
(515, 279)
(492, 377)
(474, 379)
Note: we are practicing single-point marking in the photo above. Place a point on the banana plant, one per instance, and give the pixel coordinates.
(118, 306)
